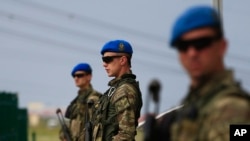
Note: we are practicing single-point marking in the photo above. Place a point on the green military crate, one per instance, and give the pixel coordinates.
(22, 125)
(13, 121)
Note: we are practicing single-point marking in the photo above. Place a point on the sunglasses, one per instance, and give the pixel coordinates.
(108, 59)
(79, 75)
(198, 44)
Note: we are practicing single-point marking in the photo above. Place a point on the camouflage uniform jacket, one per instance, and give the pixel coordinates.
(118, 110)
(210, 109)
(76, 112)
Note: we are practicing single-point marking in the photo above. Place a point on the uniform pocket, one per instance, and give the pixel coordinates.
(75, 128)
(97, 132)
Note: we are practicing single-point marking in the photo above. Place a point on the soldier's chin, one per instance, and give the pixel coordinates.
(110, 75)
(196, 74)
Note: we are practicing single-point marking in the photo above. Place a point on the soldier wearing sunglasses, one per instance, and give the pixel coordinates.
(117, 113)
(215, 99)
(78, 112)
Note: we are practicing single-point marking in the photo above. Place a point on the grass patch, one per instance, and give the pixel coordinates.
(42, 132)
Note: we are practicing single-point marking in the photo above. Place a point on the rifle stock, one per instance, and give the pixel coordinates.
(88, 130)
(65, 129)
(88, 124)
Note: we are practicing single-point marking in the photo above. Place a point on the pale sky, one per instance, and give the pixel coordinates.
(41, 41)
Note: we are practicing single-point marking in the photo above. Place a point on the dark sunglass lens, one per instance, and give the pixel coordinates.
(203, 43)
(107, 59)
(79, 75)
(198, 44)
(182, 46)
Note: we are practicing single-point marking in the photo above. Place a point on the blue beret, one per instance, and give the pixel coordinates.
(193, 18)
(82, 67)
(119, 46)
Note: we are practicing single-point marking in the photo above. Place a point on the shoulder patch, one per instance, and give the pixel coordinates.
(125, 90)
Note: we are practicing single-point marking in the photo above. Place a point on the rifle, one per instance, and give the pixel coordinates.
(164, 122)
(150, 126)
(88, 125)
(65, 129)
(158, 128)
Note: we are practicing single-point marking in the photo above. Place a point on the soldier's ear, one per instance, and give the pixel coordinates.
(89, 77)
(124, 59)
(223, 47)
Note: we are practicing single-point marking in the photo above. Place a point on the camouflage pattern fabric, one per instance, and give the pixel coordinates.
(76, 112)
(210, 109)
(118, 111)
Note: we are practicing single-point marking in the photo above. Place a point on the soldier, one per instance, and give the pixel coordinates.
(215, 100)
(78, 111)
(119, 109)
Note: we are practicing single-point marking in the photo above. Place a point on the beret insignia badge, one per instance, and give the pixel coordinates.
(121, 47)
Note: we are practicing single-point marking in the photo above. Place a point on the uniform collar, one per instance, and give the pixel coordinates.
(124, 76)
(86, 90)
(220, 79)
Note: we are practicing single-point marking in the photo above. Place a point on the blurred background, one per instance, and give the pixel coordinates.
(42, 40)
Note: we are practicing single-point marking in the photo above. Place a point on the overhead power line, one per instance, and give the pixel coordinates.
(51, 26)
(80, 48)
(90, 36)
(46, 40)
(154, 66)
(92, 21)
(99, 23)
(239, 58)
(77, 33)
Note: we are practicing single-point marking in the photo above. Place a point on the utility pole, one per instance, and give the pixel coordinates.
(218, 6)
